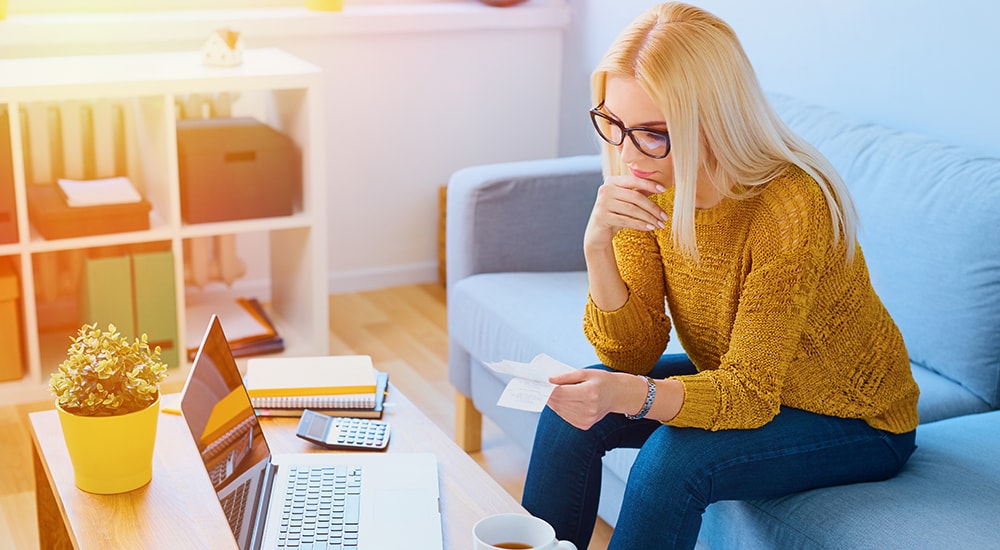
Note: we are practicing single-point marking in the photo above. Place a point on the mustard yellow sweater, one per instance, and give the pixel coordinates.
(772, 315)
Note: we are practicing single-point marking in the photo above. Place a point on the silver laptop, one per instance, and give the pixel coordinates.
(344, 500)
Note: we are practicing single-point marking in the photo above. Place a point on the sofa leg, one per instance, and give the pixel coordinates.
(468, 424)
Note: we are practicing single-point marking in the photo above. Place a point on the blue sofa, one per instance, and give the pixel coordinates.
(930, 229)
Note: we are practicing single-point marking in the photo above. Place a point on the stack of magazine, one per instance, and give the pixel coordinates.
(336, 385)
(248, 328)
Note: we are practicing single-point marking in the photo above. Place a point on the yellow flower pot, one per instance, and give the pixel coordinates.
(111, 454)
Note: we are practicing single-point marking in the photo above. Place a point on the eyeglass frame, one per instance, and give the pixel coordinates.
(627, 132)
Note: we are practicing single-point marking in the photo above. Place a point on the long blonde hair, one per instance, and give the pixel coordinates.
(691, 64)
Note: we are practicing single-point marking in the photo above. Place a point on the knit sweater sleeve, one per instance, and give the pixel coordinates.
(633, 337)
(789, 242)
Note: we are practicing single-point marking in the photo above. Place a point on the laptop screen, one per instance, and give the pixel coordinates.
(225, 429)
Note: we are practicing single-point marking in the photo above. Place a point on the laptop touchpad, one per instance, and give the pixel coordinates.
(415, 523)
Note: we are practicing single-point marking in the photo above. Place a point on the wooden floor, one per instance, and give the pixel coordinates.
(404, 329)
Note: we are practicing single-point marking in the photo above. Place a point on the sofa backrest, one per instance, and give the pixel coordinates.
(930, 233)
(490, 228)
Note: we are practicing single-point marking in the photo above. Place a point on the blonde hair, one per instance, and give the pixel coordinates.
(691, 64)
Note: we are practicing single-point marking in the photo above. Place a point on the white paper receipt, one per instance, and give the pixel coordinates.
(530, 387)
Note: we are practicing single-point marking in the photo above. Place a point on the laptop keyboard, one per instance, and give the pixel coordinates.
(321, 508)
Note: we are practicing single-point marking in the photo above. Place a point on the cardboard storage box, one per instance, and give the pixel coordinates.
(54, 219)
(11, 362)
(235, 168)
(8, 215)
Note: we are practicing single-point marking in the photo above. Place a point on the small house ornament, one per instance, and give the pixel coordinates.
(223, 48)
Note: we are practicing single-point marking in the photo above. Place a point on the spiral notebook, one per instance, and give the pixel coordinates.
(341, 382)
(358, 406)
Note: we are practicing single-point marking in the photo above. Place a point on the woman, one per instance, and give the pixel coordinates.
(795, 378)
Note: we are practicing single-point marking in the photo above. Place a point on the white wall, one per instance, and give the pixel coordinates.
(407, 110)
(916, 65)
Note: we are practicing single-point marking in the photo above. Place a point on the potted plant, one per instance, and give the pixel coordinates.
(108, 394)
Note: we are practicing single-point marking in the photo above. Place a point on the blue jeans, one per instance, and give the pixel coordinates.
(680, 471)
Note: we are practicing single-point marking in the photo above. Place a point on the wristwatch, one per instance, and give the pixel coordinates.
(650, 396)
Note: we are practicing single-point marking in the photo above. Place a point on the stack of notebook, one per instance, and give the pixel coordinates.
(249, 330)
(337, 385)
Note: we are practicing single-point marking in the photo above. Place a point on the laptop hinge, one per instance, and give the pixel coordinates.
(260, 522)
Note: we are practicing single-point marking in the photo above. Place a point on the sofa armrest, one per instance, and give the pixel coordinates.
(519, 216)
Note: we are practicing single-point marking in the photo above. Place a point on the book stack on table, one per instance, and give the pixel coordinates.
(336, 385)
(249, 329)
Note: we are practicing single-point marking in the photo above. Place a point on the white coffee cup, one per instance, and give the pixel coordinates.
(504, 531)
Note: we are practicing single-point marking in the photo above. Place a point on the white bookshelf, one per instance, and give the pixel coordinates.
(273, 86)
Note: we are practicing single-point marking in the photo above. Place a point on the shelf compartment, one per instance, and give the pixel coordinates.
(235, 168)
(86, 140)
(130, 286)
(214, 274)
(241, 154)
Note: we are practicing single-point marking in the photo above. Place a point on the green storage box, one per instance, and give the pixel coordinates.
(136, 294)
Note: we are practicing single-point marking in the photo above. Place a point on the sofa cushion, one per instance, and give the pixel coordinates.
(516, 316)
(941, 397)
(930, 236)
(945, 497)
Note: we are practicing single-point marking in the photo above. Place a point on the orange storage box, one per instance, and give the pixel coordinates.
(55, 219)
(11, 362)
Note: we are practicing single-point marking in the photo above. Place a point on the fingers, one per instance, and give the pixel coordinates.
(573, 377)
(580, 397)
(578, 415)
(625, 207)
(628, 210)
(642, 186)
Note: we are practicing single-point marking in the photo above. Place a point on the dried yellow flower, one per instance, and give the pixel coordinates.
(106, 375)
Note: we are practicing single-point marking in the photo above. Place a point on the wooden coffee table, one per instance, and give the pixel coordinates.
(179, 509)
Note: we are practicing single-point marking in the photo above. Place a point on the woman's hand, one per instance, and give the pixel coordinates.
(622, 203)
(585, 396)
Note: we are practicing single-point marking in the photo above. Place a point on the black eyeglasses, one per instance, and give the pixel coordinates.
(652, 143)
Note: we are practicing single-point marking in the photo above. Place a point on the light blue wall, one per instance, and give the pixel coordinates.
(925, 66)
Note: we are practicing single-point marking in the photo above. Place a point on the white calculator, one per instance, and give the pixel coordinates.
(344, 433)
